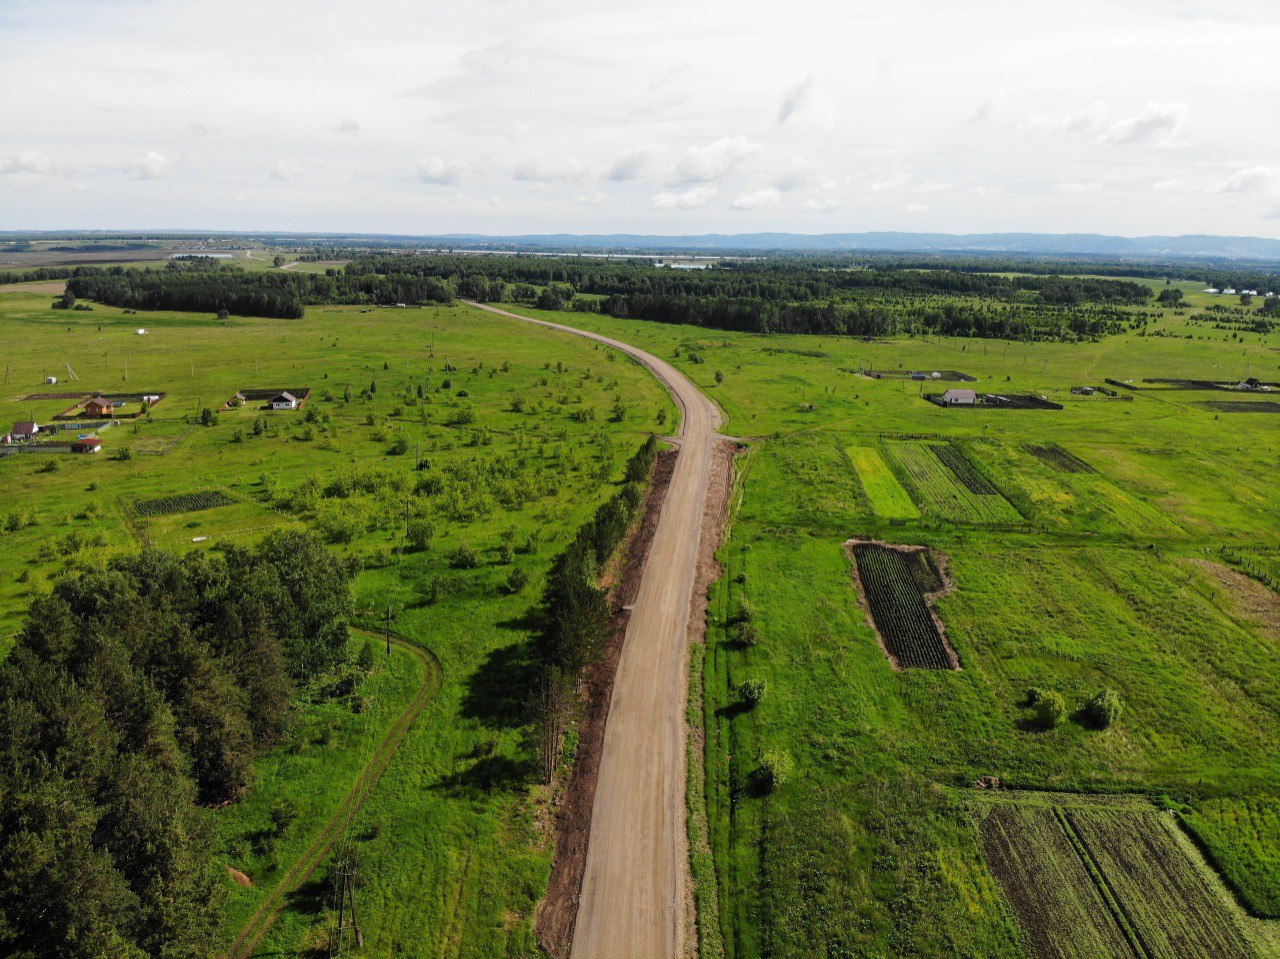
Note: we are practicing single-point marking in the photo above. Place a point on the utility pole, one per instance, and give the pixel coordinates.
(345, 893)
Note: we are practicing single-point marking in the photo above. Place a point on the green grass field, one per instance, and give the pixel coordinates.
(522, 433)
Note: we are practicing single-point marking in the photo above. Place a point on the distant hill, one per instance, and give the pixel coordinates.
(1052, 244)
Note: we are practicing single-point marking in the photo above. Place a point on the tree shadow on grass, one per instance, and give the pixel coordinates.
(489, 774)
(499, 692)
(313, 896)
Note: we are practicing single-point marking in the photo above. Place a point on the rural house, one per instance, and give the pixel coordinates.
(285, 401)
(99, 406)
(22, 432)
(959, 398)
(89, 444)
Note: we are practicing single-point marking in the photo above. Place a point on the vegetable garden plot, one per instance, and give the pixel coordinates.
(181, 503)
(939, 492)
(1061, 909)
(884, 492)
(1058, 458)
(965, 471)
(911, 635)
(1172, 905)
(1255, 406)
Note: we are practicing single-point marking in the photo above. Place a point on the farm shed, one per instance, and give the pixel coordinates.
(22, 432)
(99, 406)
(51, 380)
(959, 398)
(90, 444)
(285, 401)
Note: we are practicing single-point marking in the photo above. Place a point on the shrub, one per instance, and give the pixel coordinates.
(746, 611)
(1051, 709)
(517, 581)
(774, 770)
(752, 691)
(51, 466)
(745, 635)
(365, 658)
(419, 534)
(1104, 709)
(506, 553)
(399, 447)
(464, 557)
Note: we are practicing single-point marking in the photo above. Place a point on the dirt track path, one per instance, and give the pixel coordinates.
(260, 923)
(634, 891)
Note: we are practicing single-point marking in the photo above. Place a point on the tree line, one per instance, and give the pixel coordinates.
(137, 694)
(575, 608)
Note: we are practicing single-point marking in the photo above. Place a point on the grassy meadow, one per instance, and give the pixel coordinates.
(520, 433)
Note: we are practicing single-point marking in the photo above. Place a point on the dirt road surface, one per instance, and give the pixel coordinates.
(634, 892)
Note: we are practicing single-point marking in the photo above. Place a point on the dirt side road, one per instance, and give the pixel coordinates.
(634, 891)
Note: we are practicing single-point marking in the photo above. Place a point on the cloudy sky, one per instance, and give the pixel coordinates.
(507, 116)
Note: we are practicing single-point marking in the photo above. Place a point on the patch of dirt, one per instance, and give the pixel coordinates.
(238, 877)
(559, 908)
(39, 286)
(941, 563)
(1252, 600)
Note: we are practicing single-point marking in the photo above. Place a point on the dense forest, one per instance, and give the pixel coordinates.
(790, 295)
(137, 695)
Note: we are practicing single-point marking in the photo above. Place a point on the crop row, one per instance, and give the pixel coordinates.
(939, 492)
(964, 470)
(899, 610)
(181, 503)
(1055, 456)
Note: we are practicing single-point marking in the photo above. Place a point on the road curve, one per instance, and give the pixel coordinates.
(634, 890)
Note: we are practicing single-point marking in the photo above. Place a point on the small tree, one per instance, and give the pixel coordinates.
(773, 771)
(420, 533)
(207, 417)
(365, 658)
(224, 315)
(1051, 709)
(1104, 709)
(745, 635)
(516, 581)
(719, 377)
(752, 691)
(464, 557)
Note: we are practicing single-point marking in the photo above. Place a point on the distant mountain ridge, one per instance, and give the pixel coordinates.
(1084, 244)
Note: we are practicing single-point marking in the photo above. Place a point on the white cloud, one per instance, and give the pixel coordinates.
(917, 208)
(1084, 120)
(204, 130)
(286, 170)
(1077, 186)
(1159, 125)
(927, 187)
(1171, 185)
(636, 163)
(568, 169)
(1254, 179)
(589, 199)
(807, 100)
(756, 199)
(151, 166)
(690, 199)
(799, 174)
(27, 161)
(828, 205)
(347, 127)
(439, 172)
(714, 161)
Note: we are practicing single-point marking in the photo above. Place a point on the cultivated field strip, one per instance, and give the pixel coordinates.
(1113, 882)
(1174, 910)
(181, 503)
(1063, 912)
(1060, 459)
(898, 609)
(887, 497)
(939, 492)
(964, 470)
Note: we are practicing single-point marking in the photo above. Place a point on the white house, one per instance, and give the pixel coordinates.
(959, 398)
(51, 380)
(285, 401)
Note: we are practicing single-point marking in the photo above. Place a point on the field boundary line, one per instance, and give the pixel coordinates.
(260, 923)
